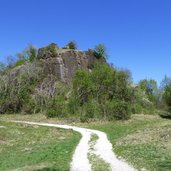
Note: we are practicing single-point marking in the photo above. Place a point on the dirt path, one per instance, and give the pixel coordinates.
(102, 148)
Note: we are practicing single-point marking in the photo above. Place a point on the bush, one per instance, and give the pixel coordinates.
(91, 109)
(29, 107)
(137, 109)
(73, 106)
(49, 51)
(100, 51)
(72, 45)
(56, 107)
(118, 109)
(20, 62)
(51, 113)
(167, 96)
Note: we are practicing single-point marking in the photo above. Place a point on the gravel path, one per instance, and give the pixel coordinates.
(102, 148)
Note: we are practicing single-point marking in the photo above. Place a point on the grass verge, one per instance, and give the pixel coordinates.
(144, 141)
(27, 147)
(96, 162)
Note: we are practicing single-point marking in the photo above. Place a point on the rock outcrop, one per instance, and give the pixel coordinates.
(63, 63)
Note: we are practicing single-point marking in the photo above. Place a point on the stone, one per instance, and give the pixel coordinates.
(63, 63)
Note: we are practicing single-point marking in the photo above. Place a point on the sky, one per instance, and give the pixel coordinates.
(137, 33)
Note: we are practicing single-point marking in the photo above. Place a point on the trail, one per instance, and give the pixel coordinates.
(102, 148)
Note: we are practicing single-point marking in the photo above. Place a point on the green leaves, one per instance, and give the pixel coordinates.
(29, 53)
(100, 91)
(100, 51)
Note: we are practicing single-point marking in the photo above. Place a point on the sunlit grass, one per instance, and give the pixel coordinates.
(27, 147)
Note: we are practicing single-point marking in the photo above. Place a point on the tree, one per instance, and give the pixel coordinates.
(99, 92)
(166, 90)
(29, 53)
(165, 82)
(149, 86)
(32, 52)
(100, 51)
(2, 66)
(82, 86)
(10, 61)
(72, 45)
(167, 96)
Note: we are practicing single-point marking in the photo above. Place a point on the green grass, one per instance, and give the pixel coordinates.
(26, 147)
(144, 141)
(96, 162)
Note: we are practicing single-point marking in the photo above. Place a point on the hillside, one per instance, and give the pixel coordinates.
(51, 69)
(67, 82)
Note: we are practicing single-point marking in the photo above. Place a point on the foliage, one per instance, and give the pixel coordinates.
(20, 62)
(165, 82)
(72, 45)
(29, 53)
(167, 96)
(117, 109)
(16, 88)
(32, 52)
(56, 107)
(2, 66)
(100, 51)
(149, 86)
(104, 92)
(165, 93)
(50, 50)
(147, 96)
(97, 93)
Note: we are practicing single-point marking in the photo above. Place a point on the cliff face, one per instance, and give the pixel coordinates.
(62, 63)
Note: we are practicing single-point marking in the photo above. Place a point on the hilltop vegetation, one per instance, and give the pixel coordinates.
(42, 81)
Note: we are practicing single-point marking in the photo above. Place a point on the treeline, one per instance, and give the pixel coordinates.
(105, 92)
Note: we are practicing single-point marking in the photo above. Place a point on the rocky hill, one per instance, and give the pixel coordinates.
(33, 82)
(62, 63)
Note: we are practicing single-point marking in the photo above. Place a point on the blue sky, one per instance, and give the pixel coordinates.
(136, 32)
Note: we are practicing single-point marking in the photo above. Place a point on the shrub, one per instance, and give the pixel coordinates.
(167, 96)
(49, 51)
(72, 105)
(51, 113)
(72, 45)
(56, 107)
(91, 109)
(20, 62)
(32, 52)
(100, 51)
(137, 108)
(84, 119)
(29, 107)
(29, 53)
(117, 109)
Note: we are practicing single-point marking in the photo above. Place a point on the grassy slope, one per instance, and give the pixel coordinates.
(145, 141)
(35, 148)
